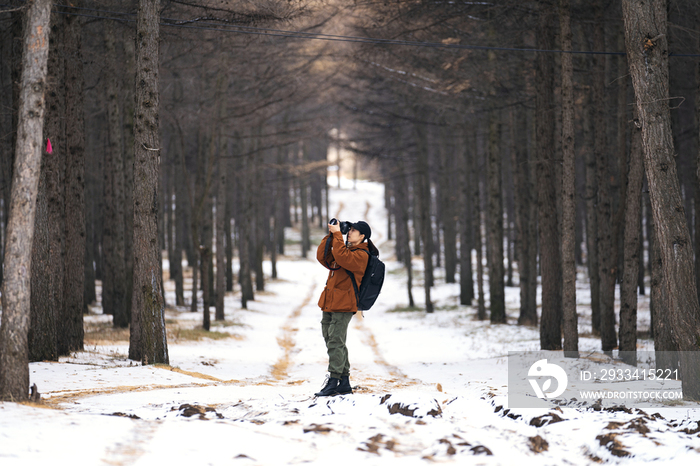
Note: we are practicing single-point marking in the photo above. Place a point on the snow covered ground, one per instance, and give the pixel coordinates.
(430, 388)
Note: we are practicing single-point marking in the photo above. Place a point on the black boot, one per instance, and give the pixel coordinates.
(330, 388)
(344, 388)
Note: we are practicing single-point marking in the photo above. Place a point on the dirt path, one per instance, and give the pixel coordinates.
(287, 341)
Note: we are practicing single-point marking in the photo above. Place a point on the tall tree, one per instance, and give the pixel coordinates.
(424, 202)
(550, 256)
(147, 341)
(47, 249)
(568, 190)
(607, 263)
(495, 221)
(74, 283)
(220, 238)
(526, 217)
(628, 288)
(14, 358)
(697, 162)
(114, 283)
(466, 229)
(647, 54)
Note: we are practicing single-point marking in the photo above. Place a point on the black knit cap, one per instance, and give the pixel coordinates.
(363, 228)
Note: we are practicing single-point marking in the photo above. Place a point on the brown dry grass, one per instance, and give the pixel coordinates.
(103, 333)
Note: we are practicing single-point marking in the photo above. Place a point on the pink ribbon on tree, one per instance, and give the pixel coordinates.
(49, 149)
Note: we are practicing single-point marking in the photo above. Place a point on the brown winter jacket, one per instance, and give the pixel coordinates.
(339, 294)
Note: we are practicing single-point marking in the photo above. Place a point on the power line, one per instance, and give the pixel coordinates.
(270, 32)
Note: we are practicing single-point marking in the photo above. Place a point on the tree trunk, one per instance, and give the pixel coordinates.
(74, 284)
(114, 282)
(48, 261)
(697, 162)
(128, 138)
(568, 192)
(466, 225)
(205, 253)
(229, 248)
(526, 239)
(243, 226)
(402, 233)
(424, 198)
(42, 337)
(148, 341)
(220, 221)
(448, 201)
(195, 279)
(304, 200)
(654, 282)
(477, 223)
(607, 265)
(647, 52)
(89, 293)
(14, 358)
(181, 224)
(591, 195)
(665, 345)
(6, 120)
(550, 257)
(494, 217)
(640, 227)
(628, 288)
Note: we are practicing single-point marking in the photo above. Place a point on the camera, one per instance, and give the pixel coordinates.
(344, 226)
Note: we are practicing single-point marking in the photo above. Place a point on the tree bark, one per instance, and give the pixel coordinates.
(448, 200)
(42, 336)
(568, 191)
(48, 261)
(74, 284)
(495, 222)
(607, 265)
(647, 51)
(181, 224)
(466, 225)
(148, 342)
(550, 257)
(220, 221)
(243, 226)
(526, 239)
(424, 198)
(591, 195)
(205, 253)
(478, 236)
(113, 235)
(403, 240)
(304, 200)
(628, 288)
(665, 346)
(14, 358)
(697, 163)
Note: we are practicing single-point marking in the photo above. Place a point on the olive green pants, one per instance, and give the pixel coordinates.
(334, 326)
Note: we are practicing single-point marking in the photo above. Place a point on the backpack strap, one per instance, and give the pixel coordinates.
(325, 254)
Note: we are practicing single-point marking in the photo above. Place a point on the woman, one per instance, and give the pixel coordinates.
(338, 301)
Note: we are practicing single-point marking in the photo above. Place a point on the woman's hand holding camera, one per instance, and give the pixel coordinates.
(332, 228)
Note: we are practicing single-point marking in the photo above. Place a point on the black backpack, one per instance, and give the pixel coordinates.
(371, 285)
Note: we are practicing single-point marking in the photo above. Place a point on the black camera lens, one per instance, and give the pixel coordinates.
(344, 226)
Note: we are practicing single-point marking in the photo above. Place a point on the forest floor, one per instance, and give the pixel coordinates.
(428, 388)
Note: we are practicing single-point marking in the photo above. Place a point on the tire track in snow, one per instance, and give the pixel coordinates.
(128, 452)
(399, 379)
(286, 341)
